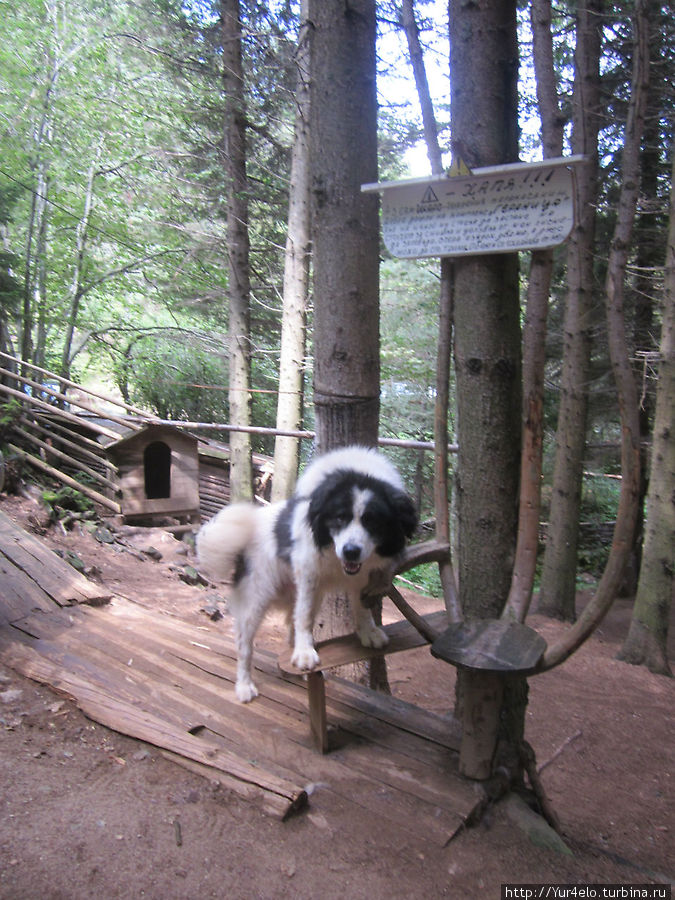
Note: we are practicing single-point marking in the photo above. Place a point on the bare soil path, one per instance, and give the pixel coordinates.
(86, 812)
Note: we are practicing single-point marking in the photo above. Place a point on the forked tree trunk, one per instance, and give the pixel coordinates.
(558, 586)
(238, 284)
(296, 283)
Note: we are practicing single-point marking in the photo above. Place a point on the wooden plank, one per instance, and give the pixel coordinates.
(96, 702)
(19, 595)
(342, 696)
(49, 572)
(38, 463)
(271, 803)
(427, 798)
(491, 645)
(61, 413)
(348, 649)
(256, 714)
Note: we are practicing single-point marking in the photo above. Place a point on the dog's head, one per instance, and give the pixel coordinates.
(360, 515)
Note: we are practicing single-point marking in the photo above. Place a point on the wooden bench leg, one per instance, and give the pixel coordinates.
(316, 689)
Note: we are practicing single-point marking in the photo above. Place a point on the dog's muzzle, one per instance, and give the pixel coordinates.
(351, 559)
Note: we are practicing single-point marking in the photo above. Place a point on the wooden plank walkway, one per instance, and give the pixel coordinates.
(32, 577)
(170, 683)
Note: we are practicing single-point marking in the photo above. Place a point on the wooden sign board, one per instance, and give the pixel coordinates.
(500, 209)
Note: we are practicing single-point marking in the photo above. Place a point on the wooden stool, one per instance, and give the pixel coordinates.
(490, 650)
(347, 649)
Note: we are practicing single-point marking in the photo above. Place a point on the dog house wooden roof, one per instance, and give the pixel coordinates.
(158, 472)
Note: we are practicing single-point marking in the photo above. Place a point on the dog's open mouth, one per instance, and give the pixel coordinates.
(351, 568)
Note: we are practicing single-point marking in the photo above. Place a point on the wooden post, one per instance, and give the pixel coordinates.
(316, 689)
(480, 722)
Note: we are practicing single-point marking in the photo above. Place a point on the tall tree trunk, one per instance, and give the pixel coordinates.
(445, 317)
(346, 238)
(79, 261)
(345, 223)
(558, 587)
(484, 71)
(534, 332)
(646, 643)
(624, 530)
(238, 285)
(296, 282)
(647, 238)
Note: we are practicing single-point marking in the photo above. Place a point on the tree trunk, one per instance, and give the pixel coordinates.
(296, 283)
(238, 284)
(346, 238)
(345, 223)
(534, 334)
(622, 540)
(445, 318)
(648, 242)
(484, 70)
(484, 67)
(79, 261)
(558, 587)
(646, 643)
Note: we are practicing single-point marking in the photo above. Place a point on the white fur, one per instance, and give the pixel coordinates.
(298, 587)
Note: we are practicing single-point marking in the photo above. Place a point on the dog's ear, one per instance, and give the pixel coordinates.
(405, 512)
(316, 514)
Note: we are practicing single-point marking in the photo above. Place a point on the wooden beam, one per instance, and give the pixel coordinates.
(66, 479)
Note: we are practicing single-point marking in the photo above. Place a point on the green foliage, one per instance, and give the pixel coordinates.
(67, 499)
(424, 580)
(174, 377)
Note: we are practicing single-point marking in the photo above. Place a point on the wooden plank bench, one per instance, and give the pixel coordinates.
(341, 651)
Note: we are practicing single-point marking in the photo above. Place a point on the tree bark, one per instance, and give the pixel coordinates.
(622, 540)
(558, 587)
(646, 643)
(343, 146)
(534, 334)
(484, 70)
(76, 286)
(345, 223)
(445, 318)
(238, 285)
(296, 283)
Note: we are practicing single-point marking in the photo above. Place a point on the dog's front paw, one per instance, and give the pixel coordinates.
(245, 691)
(305, 658)
(372, 636)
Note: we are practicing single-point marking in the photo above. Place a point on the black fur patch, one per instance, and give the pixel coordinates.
(282, 530)
(240, 567)
(389, 515)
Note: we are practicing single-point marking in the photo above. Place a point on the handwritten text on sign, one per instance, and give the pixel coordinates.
(492, 213)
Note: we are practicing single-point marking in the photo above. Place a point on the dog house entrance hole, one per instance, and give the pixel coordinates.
(157, 470)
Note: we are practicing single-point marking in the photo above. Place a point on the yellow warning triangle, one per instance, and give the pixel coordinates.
(458, 167)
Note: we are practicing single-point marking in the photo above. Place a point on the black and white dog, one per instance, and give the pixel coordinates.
(348, 517)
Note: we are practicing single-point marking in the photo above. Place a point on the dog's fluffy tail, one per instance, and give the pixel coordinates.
(222, 540)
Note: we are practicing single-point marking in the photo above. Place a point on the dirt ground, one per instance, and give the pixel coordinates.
(86, 812)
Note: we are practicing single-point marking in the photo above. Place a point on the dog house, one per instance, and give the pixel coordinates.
(158, 472)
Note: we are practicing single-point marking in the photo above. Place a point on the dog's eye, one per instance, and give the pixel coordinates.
(339, 521)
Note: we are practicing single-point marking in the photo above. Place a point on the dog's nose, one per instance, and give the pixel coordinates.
(351, 552)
